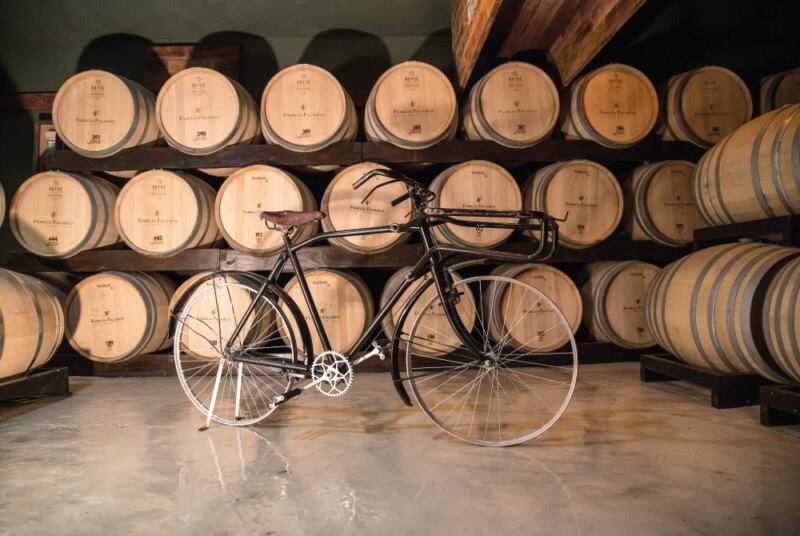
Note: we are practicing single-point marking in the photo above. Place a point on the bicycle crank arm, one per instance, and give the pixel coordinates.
(376, 351)
(291, 393)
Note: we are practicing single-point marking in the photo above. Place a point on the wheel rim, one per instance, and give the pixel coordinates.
(204, 326)
(509, 394)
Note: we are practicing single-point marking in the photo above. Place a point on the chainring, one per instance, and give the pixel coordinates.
(333, 373)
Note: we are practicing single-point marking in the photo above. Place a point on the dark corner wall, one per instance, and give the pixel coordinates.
(43, 42)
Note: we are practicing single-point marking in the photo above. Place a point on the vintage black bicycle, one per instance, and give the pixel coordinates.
(490, 360)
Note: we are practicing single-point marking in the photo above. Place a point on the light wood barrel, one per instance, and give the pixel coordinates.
(31, 323)
(97, 114)
(200, 111)
(515, 104)
(584, 192)
(344, 209)
(434, 336)
(304, 108)
(114, 316)
(248, 192)
(660, 205)
(753, 172)
(344, 304)
(413, 106)
(529, 323)
(218, 312)
(704, 105)
(56, 214)
(160, 213)
(615, 105)
(781, 319)
(779, 89)
(476, 184)
(705, 307)
(614, 295)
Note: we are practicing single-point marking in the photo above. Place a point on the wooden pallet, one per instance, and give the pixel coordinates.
(42, 382)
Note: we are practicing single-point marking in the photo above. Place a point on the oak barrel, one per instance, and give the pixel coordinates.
(614, 105)
(779, 89)
(248, 192)
(528, 322)
(343, 302)
(704, 105)
(753, 172)
(476, 184)
(614, 295)
(160, 213)
(781, 319)
(345, 210)
(585, 193)
(515, 104)
(705, 308)
(31, 323)
(57, 214)
(413, 106)
(115, 316)
(660, 205)
(97, 114)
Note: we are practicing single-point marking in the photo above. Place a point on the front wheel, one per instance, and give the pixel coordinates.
(521, 381)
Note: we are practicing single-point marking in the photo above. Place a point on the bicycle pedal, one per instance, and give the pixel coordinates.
(202, 429)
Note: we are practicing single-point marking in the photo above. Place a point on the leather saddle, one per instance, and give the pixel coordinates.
(291, 218)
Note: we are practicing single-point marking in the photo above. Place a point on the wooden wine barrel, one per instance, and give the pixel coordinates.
(781, 319)
(583, 192)
(304, 108)
(614, 295)
(97, 114)
(413, 106)
(528, 322)
(753, 172)
(213, 313)
(705, 307)
(779, 89)
(476, 184)
(344, 305)
(200, 111)
(31, 323)
(515, 104)
(704, 105)
(114, 316)
(660, 205)
(160, 213)
(248, 192)
(344, 209)
(614, 105)
(2, 205)
(56, 214)
(434, 336)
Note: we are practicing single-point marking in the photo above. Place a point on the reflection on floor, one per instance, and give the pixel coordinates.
(124, 455)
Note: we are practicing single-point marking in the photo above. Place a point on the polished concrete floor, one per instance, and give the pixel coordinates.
(123, 456)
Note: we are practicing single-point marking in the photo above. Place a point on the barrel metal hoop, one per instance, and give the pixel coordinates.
(720, 148)
(776, 161)
(754, 174)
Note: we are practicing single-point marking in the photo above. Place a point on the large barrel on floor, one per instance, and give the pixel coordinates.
(434, 336)
(705, 105)
(779, 89)
(304, 108)
(585, 193)
(160, 213)
(248, 192)
(211, 316)
(781, 319)
(345, 209)
(413, 106)
(660, 205)
(97, 114)
(57, 214)
(522, 317)
(614, 295)
(476, 185)
(753, 172)
(114, 316)
(31, 323)
(706, 307)
(515, 104)
(344, 305)
(615, 105)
